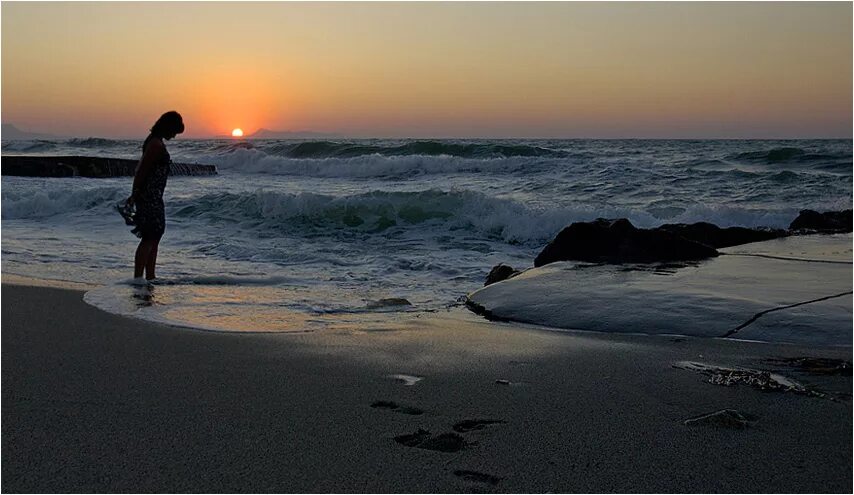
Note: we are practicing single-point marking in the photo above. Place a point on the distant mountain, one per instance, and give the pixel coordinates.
(10, 132)
(268, 134)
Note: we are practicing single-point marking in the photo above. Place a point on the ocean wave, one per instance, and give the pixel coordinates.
(454, 213)
(381, 212)
(773, 155)
(368, 166)
(42, 204)
(88, 146)
(332, 149)
(95, 142)
(230, 147)
(788, 154)
(28, 146)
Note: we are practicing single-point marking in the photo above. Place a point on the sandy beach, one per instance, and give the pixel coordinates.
(94, 402)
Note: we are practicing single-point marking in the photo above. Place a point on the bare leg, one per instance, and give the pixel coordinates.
(152, 260)
(142, 254)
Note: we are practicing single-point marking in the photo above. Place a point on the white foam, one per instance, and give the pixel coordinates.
(408, 380)
(29, 203)
(253, 161)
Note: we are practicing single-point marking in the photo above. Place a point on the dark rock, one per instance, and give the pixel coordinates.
(618, 241)
(829, 221)
(87, 166)
(387, 302)
(713, 236)
(500, 272)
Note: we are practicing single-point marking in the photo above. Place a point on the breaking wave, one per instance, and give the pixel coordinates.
(247, 160)
(43, 204)
(386, 213)
(790, 154)
(332, 149)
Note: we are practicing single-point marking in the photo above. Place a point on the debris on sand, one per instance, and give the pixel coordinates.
(725, 418)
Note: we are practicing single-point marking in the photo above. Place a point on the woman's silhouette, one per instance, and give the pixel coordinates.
(147, 197)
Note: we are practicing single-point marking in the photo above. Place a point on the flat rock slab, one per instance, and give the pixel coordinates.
(836, 247)
(712, 298)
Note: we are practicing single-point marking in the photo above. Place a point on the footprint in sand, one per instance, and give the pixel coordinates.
(477, 477)
(421, 439)
(467, 425)
(393, 406)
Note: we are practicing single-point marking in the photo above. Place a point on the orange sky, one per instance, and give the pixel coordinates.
(431, 69)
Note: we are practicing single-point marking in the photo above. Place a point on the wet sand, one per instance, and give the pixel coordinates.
(93, 402)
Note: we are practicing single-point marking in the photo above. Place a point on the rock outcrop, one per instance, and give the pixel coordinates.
(713, 236)
(795, 289)
(827, 222)
(500, 272)
(87, 166)
(618, 241)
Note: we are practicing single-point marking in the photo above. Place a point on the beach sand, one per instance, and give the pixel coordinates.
(93, 402)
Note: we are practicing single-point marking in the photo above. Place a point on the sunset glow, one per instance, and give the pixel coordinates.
(481, 69)
(237, 133)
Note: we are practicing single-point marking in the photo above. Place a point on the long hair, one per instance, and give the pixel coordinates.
(169, 124)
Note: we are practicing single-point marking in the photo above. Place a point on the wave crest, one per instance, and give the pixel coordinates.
(333, 149)
(254, 161)
(455, 213)
(791, 155)
(41, 204)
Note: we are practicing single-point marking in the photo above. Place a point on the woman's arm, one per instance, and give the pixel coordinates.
(150, 158)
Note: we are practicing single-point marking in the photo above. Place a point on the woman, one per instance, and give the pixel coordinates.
(147, 196)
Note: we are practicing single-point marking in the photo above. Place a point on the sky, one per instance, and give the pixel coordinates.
(486, 69)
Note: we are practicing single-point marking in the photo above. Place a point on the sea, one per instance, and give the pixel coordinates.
(306, 235)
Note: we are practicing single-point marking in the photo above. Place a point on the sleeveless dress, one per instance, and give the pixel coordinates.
(150, 211)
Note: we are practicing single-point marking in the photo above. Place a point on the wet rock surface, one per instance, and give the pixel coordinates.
(793, 289)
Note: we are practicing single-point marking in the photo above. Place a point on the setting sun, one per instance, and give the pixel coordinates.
(237, 133)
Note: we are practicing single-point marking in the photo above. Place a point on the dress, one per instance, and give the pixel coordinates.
(150, 211)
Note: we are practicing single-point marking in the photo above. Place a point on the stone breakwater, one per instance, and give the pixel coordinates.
(87, 166)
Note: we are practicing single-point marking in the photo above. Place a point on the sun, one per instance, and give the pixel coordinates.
(237, 133)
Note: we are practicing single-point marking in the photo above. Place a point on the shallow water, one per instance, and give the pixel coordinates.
(295, 234)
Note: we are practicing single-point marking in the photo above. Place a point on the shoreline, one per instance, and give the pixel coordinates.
(99, 402)
(467, 315)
